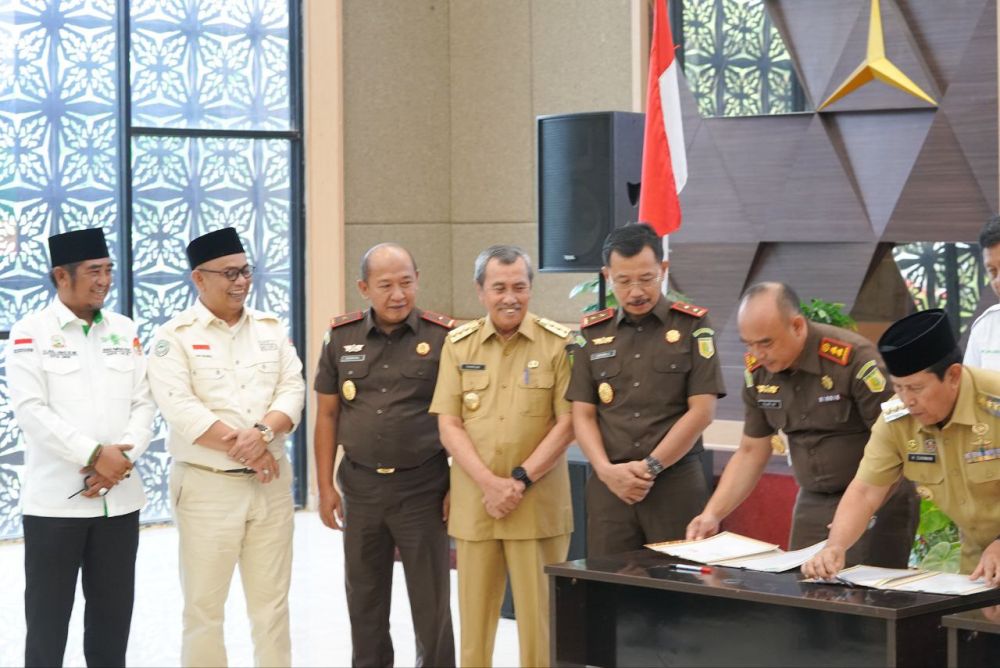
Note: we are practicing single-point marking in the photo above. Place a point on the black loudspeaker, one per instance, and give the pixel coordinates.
(589, 166)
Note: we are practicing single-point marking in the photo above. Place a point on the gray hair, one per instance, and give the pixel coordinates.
(504, 254)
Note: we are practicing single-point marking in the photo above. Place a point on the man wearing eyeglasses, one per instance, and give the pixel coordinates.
(503, 418)
(644, 387)
(77, 380)
(229, 384)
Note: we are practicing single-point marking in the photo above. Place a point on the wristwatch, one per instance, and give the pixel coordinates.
(266, 432)
(518, 473)
(654, 465)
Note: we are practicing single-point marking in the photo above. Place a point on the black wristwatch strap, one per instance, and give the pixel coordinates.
(518, 473)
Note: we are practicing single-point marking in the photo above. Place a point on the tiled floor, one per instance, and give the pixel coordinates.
(320, 628)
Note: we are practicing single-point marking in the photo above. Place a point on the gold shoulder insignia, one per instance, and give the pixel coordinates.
(751, 362)
(559, 330)
(894, 409)
(463, 331)
(690, 309)
(346, 318)
(835, 350)
(989, 403)
(594, 318)
(438, 319)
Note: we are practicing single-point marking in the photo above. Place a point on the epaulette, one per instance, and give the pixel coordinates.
(346, 318)
(989, 403)
(894, 409)
(559, 330)
(751, 362)
(598, 316)
(438, 319)
(836, 350)
(460, 333)
(690, 309)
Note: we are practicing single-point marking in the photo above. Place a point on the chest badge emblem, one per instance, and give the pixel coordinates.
(349, 390)
(423, 348)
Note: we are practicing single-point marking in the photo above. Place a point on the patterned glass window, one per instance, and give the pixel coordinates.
(735, 62)
(197, 68)
(935, 271)
(210, 64)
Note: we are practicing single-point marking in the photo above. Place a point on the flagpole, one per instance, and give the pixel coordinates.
(666, 256)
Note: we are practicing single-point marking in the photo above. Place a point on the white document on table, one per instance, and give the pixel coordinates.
(721, 546)
(775, 561)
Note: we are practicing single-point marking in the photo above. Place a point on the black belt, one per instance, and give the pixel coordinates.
(389, 470)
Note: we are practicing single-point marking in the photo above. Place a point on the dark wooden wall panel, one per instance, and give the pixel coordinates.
(827, 194)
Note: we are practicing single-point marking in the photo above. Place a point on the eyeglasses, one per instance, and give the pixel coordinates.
(642, 283)
(231, 274)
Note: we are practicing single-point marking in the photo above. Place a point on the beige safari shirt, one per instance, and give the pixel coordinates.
(508, 394)
(957, 466)
(202, 370)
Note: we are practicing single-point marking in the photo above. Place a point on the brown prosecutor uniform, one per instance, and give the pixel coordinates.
(826, 404)
(394, 477)
(957, 466)
(640, 375)
(508, 394)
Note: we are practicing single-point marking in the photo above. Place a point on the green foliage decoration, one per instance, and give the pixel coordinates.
(937, 545)
(830, 313)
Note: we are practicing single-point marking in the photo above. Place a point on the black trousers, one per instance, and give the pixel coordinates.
(55, 550)
(383, 512)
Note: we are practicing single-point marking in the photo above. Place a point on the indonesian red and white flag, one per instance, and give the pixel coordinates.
(664, 160)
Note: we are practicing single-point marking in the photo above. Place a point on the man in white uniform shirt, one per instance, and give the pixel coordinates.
(77, 380)
(230, 385)
(983, 349)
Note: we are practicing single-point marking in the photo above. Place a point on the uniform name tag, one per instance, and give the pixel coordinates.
(769, 403)
(921, 457)
(603, 355)
(826, 398)
(352, 358)
(473, 367)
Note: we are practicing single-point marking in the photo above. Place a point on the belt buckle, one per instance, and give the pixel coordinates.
(385, 471)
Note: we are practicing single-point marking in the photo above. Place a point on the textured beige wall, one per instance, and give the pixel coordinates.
(440, 100)
(396, 111)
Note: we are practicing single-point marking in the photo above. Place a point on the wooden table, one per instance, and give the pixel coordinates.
(974, 637)
(630, 610)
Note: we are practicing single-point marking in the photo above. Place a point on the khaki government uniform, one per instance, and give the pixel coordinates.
(826, 404)
(640, 375)
(202, 370)
(956, 466)
(508, 394)
(394, 477)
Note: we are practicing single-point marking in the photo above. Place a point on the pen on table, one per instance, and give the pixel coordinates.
(690, 568)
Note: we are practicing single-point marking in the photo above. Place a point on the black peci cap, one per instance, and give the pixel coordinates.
(916, 342)
(214, 244)
(77, 246)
